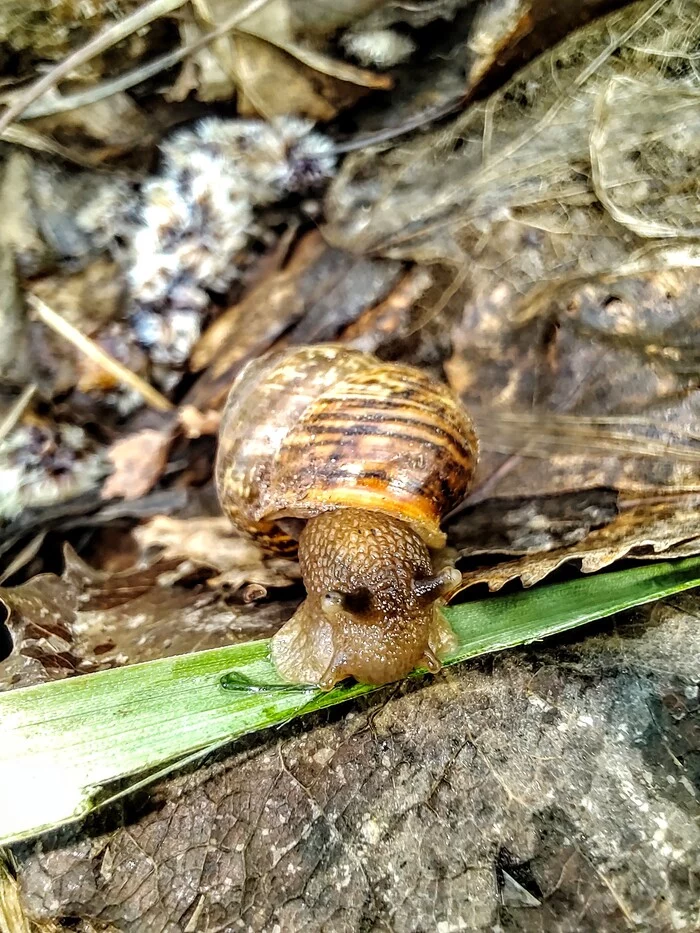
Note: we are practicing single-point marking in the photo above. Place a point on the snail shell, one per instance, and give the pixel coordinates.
(310, 429)
(361, 460)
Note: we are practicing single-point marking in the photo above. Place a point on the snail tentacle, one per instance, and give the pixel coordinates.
(440, 584)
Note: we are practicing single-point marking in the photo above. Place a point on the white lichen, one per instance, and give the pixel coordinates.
(381, 48)
(193, 226)
(198, 214)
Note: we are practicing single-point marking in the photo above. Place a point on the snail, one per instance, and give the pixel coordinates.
(352, 462)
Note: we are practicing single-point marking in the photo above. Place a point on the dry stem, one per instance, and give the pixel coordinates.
(94, 352)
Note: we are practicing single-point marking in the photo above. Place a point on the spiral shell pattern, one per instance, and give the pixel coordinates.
(311, 429)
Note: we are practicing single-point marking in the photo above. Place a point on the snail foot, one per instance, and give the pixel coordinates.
(302, 650)
(442, 641)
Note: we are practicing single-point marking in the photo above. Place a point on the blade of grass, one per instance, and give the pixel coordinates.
(64, 745)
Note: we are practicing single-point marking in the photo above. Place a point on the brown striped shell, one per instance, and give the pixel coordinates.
(311, 429)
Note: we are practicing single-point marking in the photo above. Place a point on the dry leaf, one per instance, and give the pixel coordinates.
(598, 394)
(253, 324)
(319, 292)
(139, 461)
(341, 71)
(19, 232)
(21, 248)
(274, 74)
(214, 543)
(645, 148)
(273, 82)
(86, 512)
(14, 348)
(530, 525)
(642, 530)
(48, 29)
(519, 166)
(107, 127)
(393, 318)
(88, 299)
(195, 423)
(508, 32)
(497, 27)
(87, 620)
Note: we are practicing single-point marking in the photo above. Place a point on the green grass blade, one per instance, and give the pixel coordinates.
(63, 745)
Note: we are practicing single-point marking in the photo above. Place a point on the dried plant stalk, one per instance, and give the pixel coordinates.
(87, 346)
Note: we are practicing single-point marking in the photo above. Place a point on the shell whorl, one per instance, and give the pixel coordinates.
(311, 429)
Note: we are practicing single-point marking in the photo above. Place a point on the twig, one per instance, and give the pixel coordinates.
(104, 39)
(424, 118)
(141, 73)
(52, 106)
(94, 352)
(17, 410)
(23, 136)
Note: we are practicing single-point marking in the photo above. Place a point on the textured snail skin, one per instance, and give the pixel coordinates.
(367, 458)
(372, 609)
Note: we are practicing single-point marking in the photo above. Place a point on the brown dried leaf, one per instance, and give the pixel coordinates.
(319, 292)
(87, 511)
(343, 290)
(252, 325)
(49, 30)
(19, 233)
(89, 299)
(14, 348)
(598, 394)
(498, 26)
(530, 525)
(20, 246)
(107, 127)
(213, 543)
(119, 342)
(393, 318)
(139, 461)
(343, 72)
(273, 82)
(273, 73)
(87, 620)
(519, 164)
(507, 32)
(195, 423)
(645, 147)
(642, 530)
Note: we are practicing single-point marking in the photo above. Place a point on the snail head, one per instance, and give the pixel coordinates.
(371, 610)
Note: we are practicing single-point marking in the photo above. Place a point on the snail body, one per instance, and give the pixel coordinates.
(352, 462)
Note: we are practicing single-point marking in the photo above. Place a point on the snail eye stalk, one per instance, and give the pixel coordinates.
(428, 589)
